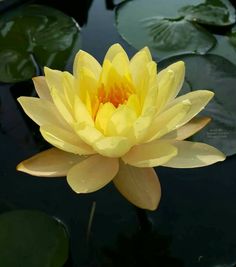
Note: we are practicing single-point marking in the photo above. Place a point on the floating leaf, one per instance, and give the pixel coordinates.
(32, 238)
(226, 46)
(32, 37)
(212, 12)
(160, 26)
(178, 34)
(218, 75)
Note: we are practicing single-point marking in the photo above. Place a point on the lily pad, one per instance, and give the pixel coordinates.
(226, 46)
(217, 74)
(212, 12)
(178, 35)
(170, 27)
(34, 36)
(32, 238)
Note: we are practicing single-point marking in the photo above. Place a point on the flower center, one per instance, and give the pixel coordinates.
(115, 94)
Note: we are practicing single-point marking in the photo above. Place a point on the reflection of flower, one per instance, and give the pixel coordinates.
(116, 122)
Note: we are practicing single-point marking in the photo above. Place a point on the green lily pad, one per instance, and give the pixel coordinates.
(217, 74)
(212, 12)
(32, 37)
(178, 34)
(162, 27)
(32, 238)
(226, 46)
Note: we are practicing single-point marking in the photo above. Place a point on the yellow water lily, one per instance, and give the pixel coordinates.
(115, 122)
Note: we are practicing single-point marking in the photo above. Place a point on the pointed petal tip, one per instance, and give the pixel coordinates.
(179, 64)
(20, 167)
(19, 99)
(222, 157)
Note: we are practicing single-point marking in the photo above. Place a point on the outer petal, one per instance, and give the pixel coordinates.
(178, 69)
(54, 79)
(192, 154)
(189, 129)
(139, 185)
(198, 99)
(151, 154)
(42, 111)
(41, 88)
(49, 163)
(168, 120)
(92, 174)
(85, 60)
(65, 140)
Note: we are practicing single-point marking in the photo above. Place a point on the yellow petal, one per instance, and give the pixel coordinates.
(149, 102)
(140, 128)
(168, 120)
(152, 70)
(133, 103)
(104, 114)
(189, 129)
(147, 52)
(113, 146)
(65, 140)
(142, 56)
(121, 121)
(54, 79)
(85, 60)
(192, 154)
(140, 74)
(42, 111)
(41, 88)
(151, 154)
(69, 89)
(86, 87)
(140, 186)
(62, 106)
(50, 163)
(89, 134)
(198, 99)
(178, 69)
(165, 87)
(92, 174)
(121, 64)
(113, 51)
(81, 113)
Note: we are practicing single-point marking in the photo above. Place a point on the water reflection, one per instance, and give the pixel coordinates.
(79, 13)
(147, 249)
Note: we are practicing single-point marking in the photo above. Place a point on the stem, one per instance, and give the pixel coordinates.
(145, 223)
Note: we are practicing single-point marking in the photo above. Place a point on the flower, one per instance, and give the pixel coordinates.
(116, 122)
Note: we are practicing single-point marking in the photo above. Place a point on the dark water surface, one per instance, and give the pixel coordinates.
(195, 225)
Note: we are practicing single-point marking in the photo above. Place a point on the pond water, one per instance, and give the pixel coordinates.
(194, 225)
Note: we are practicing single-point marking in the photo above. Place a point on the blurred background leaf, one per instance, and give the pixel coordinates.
(35, 36)
(32, 238)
